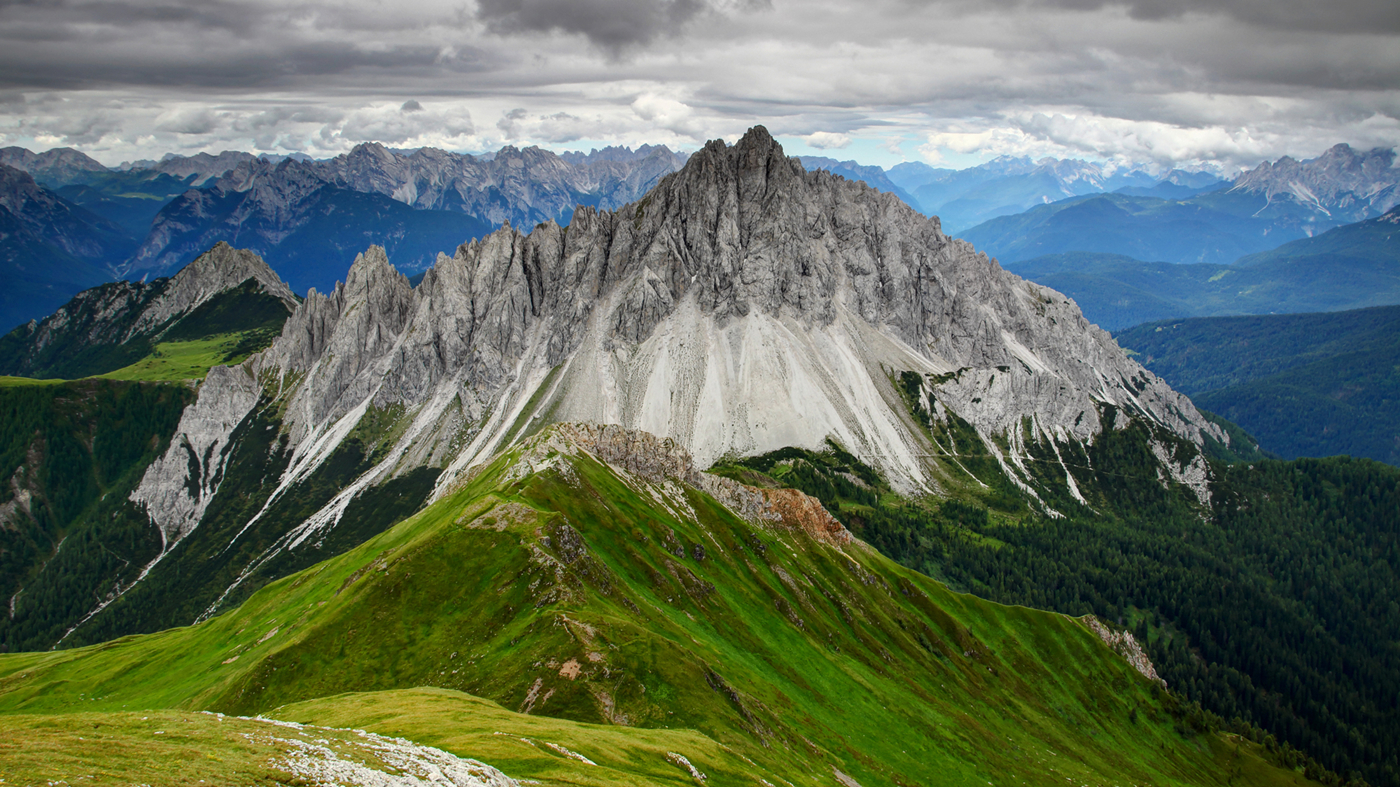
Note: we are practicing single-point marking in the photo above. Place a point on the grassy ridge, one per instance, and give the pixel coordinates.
(581, 594)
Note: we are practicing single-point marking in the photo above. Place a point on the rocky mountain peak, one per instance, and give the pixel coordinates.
(218, 270)
(55, 167)
(1338, 177)
(741, 306)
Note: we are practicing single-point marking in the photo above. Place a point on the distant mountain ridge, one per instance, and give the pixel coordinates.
(1340, 181)
(308, 218)
(1007, 185)
(874, 177)
(447, 198)
(1262, 209)
(50, 248)
(1350, 267)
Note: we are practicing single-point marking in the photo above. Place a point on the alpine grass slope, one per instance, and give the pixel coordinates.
(718, 633)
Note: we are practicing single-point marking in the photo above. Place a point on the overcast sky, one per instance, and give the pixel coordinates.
(949, 82)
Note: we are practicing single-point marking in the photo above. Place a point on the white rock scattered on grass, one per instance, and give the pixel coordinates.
(680, 759)
(405, 764)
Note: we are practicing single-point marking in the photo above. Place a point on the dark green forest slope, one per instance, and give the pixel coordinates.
(1302, 384)
(70, 453)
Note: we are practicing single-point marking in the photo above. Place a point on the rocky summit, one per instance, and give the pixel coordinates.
(742, 306)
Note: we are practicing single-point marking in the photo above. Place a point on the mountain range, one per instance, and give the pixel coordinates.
(1009, 185)
(1349, 267)
(307, 218)
(476, 505)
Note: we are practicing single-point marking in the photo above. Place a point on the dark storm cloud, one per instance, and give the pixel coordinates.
(226, 69)
(221, 44)
(1153, 79)
(611, 24)
(1333, 16)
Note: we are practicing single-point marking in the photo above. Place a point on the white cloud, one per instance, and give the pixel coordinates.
(826, 140)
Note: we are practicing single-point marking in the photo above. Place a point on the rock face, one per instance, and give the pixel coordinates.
(741, 306)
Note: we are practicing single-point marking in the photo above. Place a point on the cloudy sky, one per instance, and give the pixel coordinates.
(950, 82)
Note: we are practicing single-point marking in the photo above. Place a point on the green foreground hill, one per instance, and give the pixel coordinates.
(591, 576)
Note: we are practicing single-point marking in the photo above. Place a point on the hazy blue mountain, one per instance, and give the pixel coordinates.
(1263, 208)
(1139, 227)
(1350, 267)
(50, 249)
(1006, 185)
(1302, 384)
(1177, 184)
(310, 238)
(874, 177)
(912, 174)
(129, 200)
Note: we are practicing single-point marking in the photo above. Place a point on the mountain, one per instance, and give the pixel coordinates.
(1303, 384)
(304, 228)
(1262, 209)
(910, 175)
(307, 218)
(225, 295)
(790, 330)
(1177, 184)
(1340, 186)
(1178, 231)
(744, 305)
(874, 177)
(49, 248)
(1349, 267)
(590, 608)
(198, 170)
(53, 168)
(1004, 186)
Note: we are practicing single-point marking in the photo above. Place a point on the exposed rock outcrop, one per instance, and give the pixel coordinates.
(1126, 645)
(655, 461)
